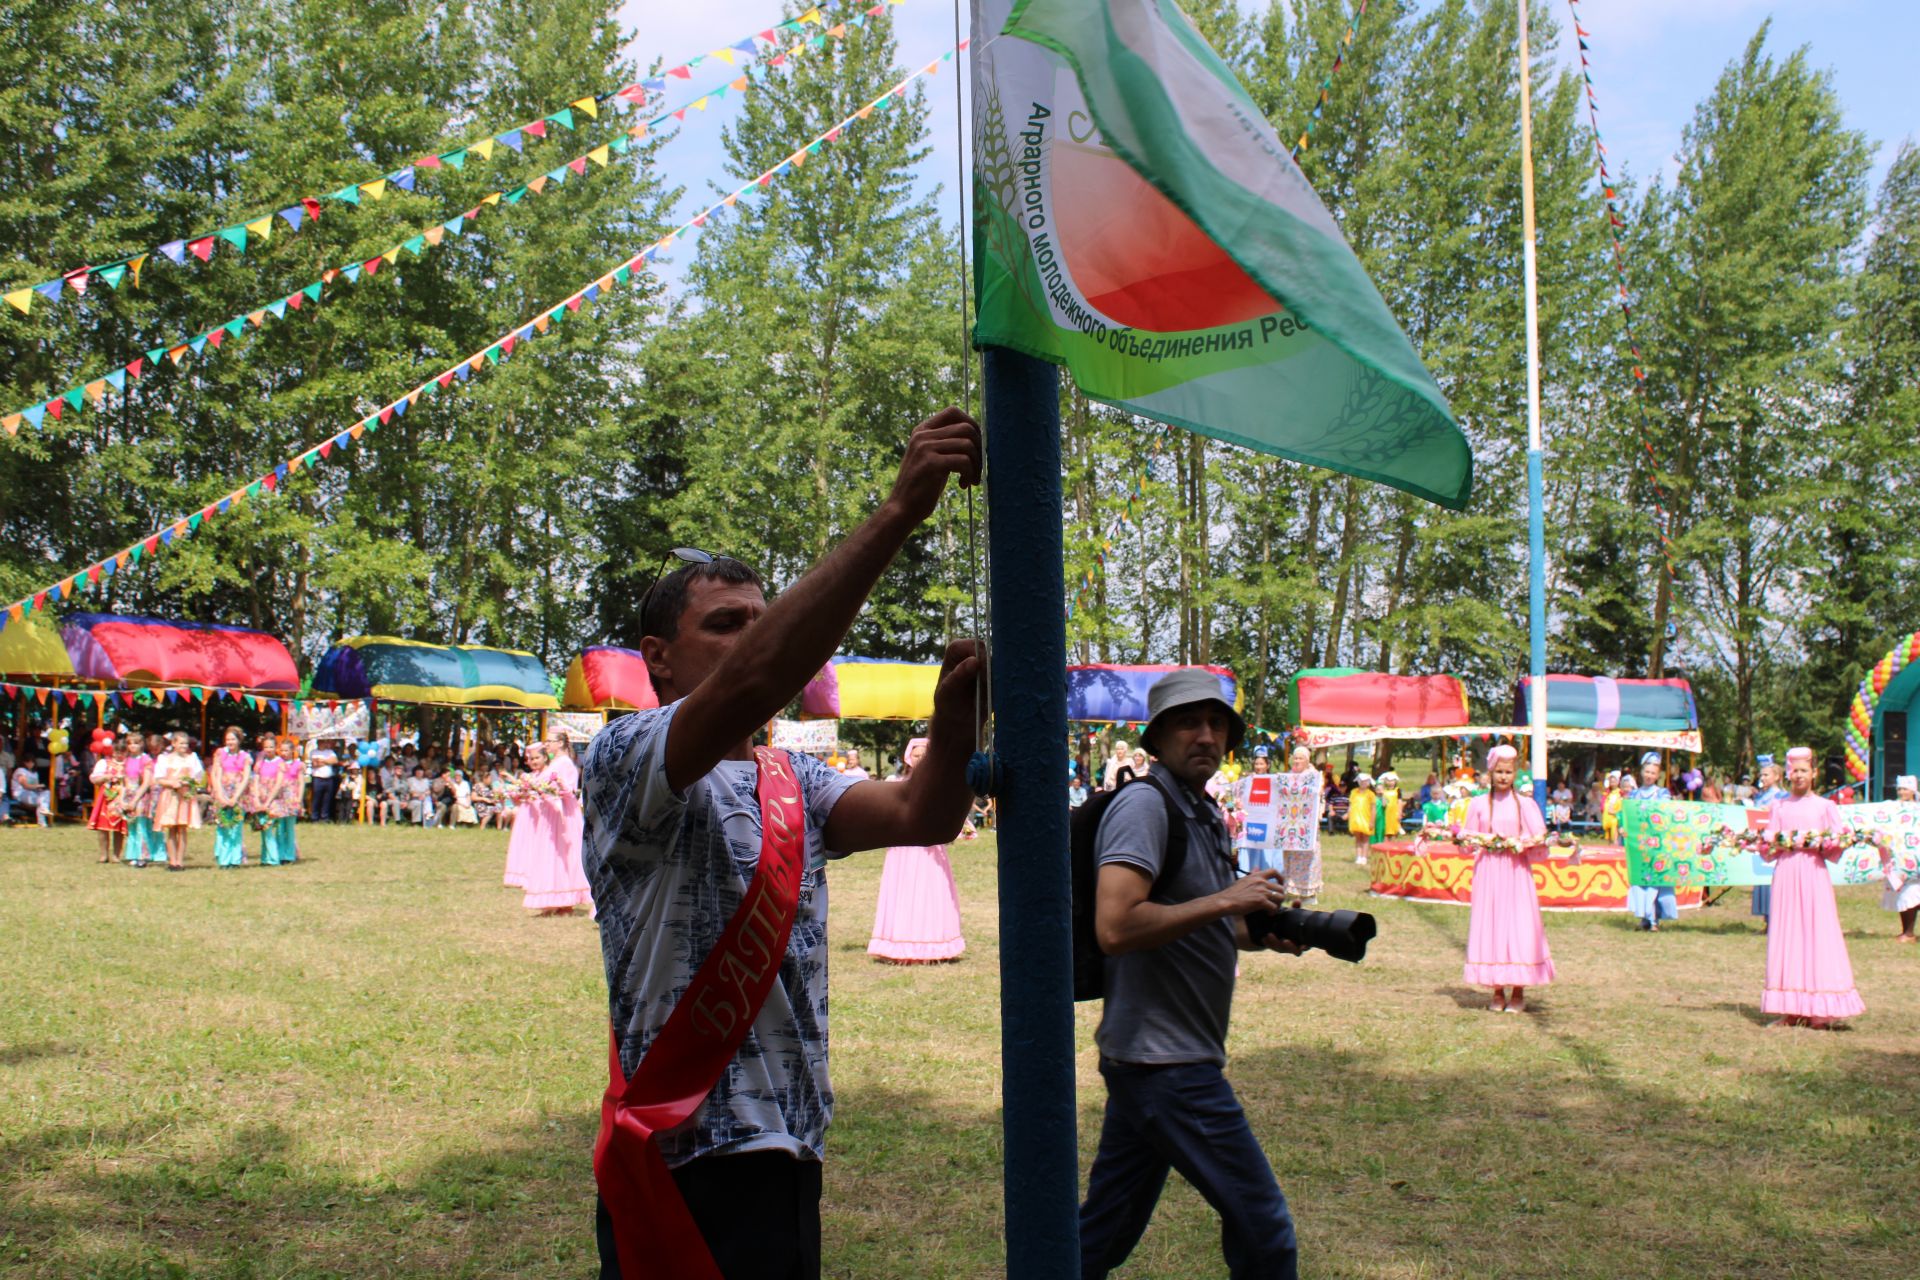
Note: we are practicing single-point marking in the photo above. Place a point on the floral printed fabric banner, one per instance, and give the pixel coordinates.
(1297, 812)
(1667, 843)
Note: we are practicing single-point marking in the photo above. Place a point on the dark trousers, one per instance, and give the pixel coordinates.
(323, 792)
(759, 1213)
(1184, 1117)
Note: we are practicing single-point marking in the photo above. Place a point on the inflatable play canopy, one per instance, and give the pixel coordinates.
(104, 646)
(1602, 702)
(1346, 696)
(395, 670)
(31, 647)
(608, 678)
(1115, 694)
(878, 689)
(870, 689)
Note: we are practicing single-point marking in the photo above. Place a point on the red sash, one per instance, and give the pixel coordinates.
(653, 1233)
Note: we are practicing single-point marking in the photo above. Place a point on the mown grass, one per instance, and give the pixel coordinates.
(374, 1064)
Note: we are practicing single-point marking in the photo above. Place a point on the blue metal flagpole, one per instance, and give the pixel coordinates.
(1536, 455)
(1029, 656)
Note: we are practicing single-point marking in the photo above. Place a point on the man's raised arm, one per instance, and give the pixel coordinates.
(797, 635)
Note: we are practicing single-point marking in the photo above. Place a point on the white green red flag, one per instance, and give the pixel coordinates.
(1137, 220)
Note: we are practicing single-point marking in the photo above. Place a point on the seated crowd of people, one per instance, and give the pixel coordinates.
(375, 782)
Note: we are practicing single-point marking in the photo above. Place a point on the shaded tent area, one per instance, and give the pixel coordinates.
(91, 666)
(608, 678)
(452, 689)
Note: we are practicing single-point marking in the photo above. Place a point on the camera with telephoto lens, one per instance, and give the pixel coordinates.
(1341, 934)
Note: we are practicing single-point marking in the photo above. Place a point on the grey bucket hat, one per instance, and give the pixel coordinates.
(1183, 688)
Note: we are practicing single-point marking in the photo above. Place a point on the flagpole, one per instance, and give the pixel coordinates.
(1536, 518)
(1041, 1171)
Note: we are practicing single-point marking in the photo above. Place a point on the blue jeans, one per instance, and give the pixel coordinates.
(1183, 1116)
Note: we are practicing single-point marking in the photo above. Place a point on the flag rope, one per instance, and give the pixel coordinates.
(493, 353)
(115, 382)
(983, 688)
(1615, 225)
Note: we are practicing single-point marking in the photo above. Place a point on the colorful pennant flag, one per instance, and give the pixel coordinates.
(202, 246)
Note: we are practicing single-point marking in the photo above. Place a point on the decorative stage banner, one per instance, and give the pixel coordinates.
(1297, 811)
(1899, 822)
(810, 736)
(1670, 842)
(579, 726)
(345, 721)
(1443, 872)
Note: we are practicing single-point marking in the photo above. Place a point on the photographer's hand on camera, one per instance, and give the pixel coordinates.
(1255, 891)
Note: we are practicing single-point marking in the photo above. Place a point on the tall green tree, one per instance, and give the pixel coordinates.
(821, 324)
(1754, 241)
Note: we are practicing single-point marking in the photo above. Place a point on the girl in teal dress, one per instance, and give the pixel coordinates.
(228, 781)
(133, 796)
(149, 805)
(266, 795)
(288, 803)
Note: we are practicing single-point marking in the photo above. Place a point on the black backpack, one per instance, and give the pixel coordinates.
(1089, 961)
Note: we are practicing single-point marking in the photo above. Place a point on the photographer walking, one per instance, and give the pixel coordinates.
(1171, 947)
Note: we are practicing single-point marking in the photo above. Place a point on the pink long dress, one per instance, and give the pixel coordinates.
(1506, 939)
(1808, 972)
(518, 845)
(917, 918)
(546, 834)
(569, 775)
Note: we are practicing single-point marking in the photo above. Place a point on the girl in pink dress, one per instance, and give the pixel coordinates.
(560, 753)
(138, 849)
(546, 832)
(917, 919)
(1809, 977)
(515, 876)
(175, 775)
(1506, 940)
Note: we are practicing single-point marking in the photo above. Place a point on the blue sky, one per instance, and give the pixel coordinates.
(1653, 60)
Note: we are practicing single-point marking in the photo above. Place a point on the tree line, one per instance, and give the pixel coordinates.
(758, 408)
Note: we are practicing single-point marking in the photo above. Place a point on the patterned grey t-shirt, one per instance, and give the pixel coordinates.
(667, 872)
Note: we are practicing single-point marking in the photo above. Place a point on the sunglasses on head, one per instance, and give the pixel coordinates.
(686, 555)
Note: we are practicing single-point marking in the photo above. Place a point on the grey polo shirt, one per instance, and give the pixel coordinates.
(1169, 1004)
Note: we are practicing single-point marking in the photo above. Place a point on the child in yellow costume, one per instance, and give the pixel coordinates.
(1361, 813)
(1388, 823)
(1610, 812)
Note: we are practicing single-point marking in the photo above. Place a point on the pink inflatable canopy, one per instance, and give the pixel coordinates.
(104, 646)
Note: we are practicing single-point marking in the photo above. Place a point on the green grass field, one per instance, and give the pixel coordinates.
(374, 1064)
